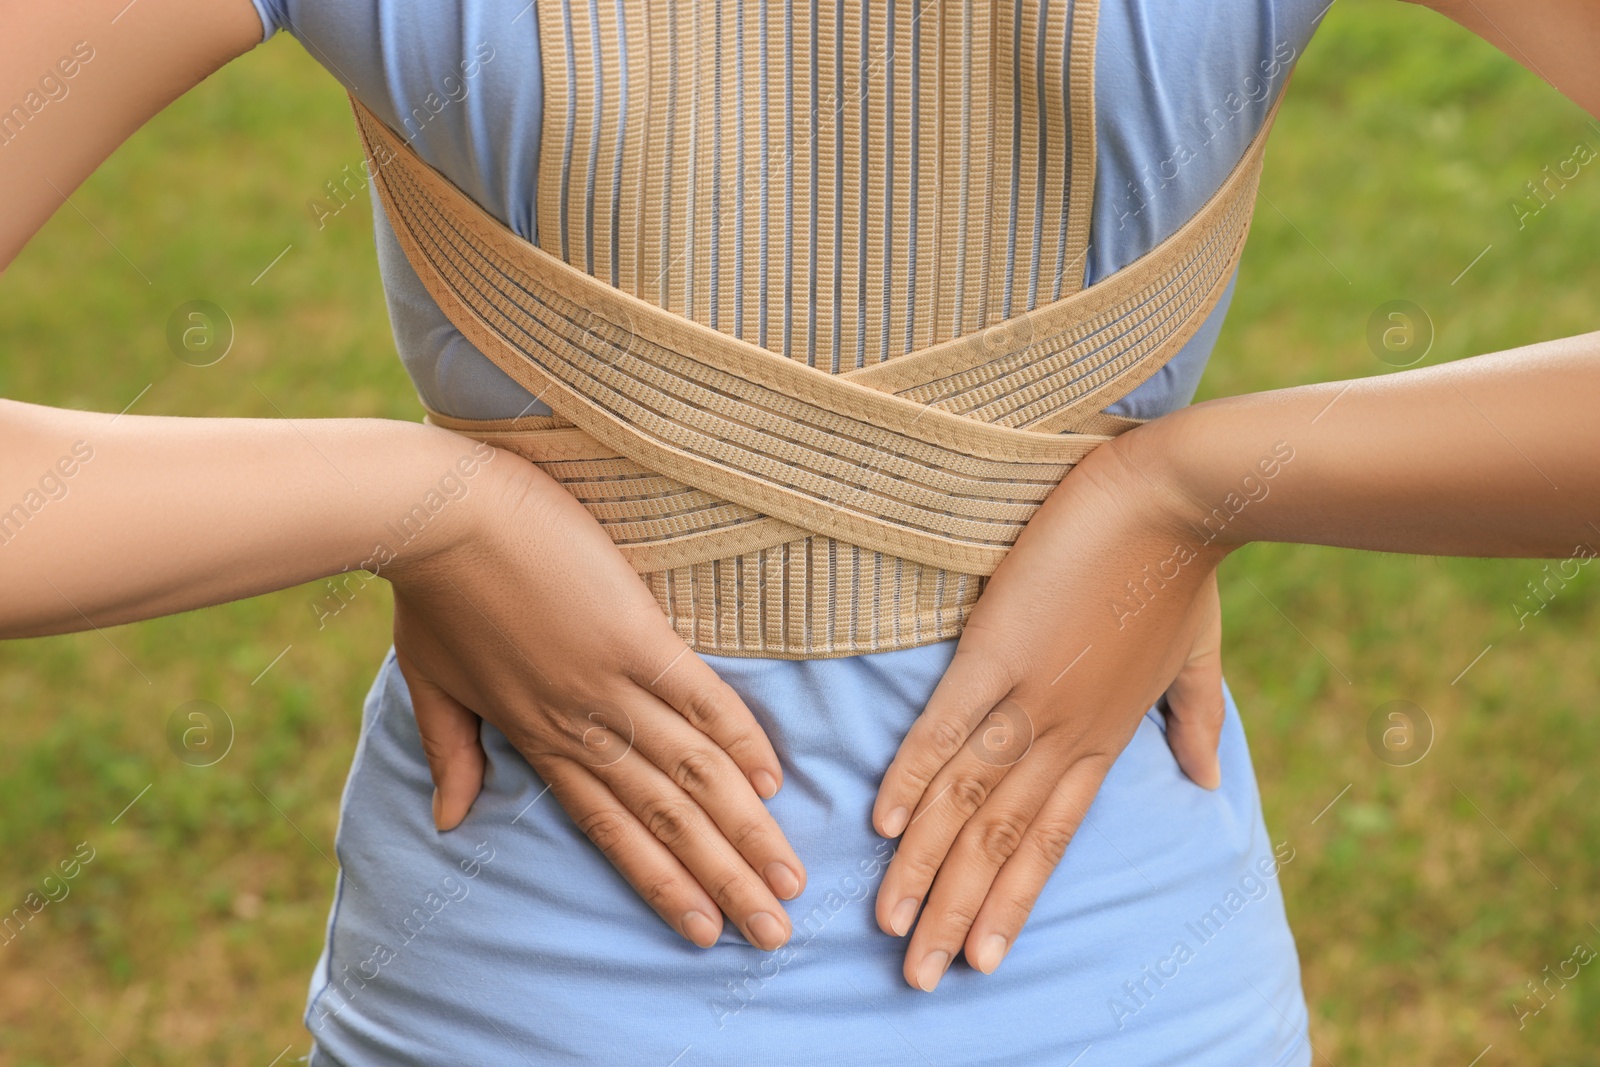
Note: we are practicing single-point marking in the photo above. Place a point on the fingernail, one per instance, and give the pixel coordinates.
(895, 822)
(767, 931)
(991, 950)
(901, 918)
(699, 929)
(783, 881)
(438, 823)
(931, 970)
(766, 786)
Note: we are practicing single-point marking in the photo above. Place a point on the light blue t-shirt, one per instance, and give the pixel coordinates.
(1161, 938)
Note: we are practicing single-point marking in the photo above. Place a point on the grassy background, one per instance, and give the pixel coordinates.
(1423, 899)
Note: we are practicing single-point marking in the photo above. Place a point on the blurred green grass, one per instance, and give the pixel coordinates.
(1423, 898)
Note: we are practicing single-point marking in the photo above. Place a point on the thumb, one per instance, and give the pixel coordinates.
(1194, 706)
(449, 732)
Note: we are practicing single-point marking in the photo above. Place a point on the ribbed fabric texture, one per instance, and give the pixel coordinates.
(778, 503)
(930, 195)
(841, 183)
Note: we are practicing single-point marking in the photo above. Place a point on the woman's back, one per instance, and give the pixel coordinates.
(1162, 937)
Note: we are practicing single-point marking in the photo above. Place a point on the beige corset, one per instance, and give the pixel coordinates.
(813, 375)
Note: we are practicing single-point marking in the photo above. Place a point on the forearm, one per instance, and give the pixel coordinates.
(1498, 455)
(1547, 38)
(107, 519)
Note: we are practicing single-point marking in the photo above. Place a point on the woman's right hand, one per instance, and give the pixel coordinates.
(535, 622)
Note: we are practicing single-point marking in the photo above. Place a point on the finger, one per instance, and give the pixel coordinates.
(983, 846)
(970, 688)
(1194, 706)
(449, 732)
(710, 777)
(689, 685)
(1022, 878)
(1195, 713)
(649, 867)
(680, 824)
(957, 793)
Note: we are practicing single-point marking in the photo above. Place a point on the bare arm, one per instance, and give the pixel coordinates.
(1556, 39)
(1493, 456)
(117, 519)
(1498, 455)
(1110, 590)
(160, 515)
(108, 519)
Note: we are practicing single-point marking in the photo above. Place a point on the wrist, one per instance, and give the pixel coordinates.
(457, 486)
(1202, 484)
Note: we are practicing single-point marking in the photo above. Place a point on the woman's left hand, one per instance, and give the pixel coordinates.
(1107, 601)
